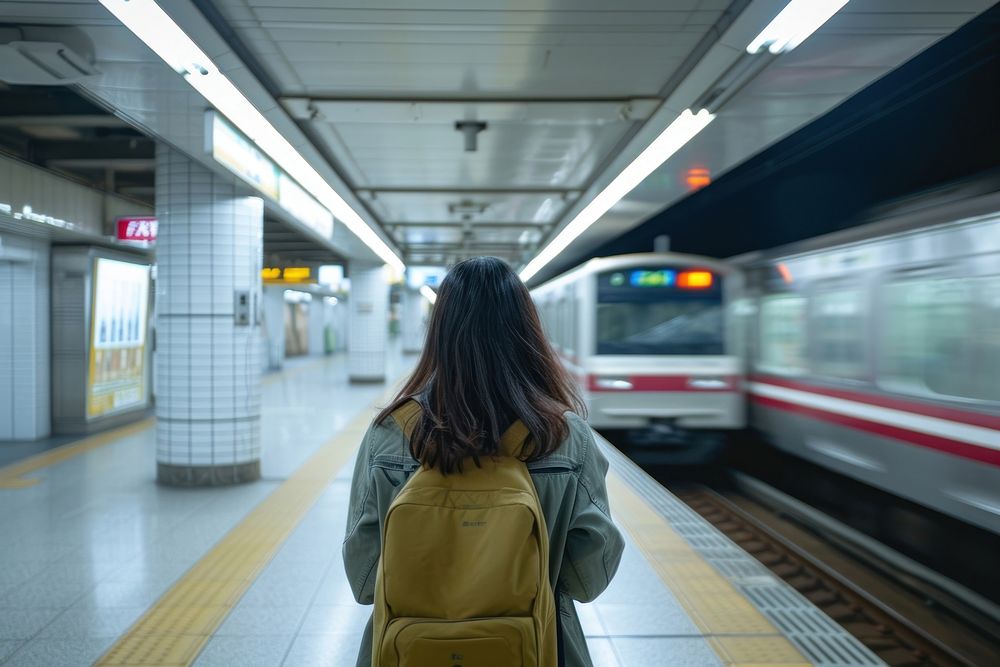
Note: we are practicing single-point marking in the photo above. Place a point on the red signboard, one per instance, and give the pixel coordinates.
(141, 228)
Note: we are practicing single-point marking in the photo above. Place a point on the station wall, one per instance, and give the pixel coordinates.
(25, 385)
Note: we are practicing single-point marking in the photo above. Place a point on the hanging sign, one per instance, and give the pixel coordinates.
(141, 228)
(242, 157)
(286, 274)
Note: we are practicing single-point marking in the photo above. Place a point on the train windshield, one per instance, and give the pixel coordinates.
(659, 311)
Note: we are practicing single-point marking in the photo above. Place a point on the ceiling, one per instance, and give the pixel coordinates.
(570, 91)
(562, 87)
(559, 85)
(55, 128)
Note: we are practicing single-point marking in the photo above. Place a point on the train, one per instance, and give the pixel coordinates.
(873, 352)
(651, 341)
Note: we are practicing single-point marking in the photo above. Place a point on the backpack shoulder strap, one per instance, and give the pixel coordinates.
(513, 442)
(406, 417)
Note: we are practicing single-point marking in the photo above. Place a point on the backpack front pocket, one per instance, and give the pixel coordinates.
(487, 642)
(475, 559)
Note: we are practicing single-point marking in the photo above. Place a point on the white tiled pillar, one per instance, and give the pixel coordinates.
(274, 327)
(208, 365)
(412, 324)
(318, 321)
(339, 317)
(24, 339)
(369, 323)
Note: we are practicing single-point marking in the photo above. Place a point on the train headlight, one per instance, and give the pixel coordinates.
(612, 383)
(708, 383)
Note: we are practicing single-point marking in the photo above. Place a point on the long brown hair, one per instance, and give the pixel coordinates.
(485, 364)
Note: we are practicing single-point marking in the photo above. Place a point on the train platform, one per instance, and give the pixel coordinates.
(100, 565)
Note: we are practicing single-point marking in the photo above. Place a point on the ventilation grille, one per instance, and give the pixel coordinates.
(42, 64)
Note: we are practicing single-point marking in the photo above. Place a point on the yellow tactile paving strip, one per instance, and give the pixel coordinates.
(181, 622)
(13, 475)
(737, 632)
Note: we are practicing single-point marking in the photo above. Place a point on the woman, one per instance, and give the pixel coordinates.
(486, 364)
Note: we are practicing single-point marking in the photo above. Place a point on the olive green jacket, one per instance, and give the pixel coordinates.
(584, 545)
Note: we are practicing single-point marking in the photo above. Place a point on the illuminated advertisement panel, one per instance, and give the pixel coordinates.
(117, 379)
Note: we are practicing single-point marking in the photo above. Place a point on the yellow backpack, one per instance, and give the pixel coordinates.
(463, 580)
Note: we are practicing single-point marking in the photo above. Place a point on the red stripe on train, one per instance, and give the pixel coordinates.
(664, 382)
(954, 447)
(951, 414)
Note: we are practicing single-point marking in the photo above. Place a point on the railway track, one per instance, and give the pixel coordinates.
(906, 622)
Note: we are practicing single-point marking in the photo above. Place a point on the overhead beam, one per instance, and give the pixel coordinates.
(102, 149)
(449, 109)
(460, 224)
(291, 245)
(442, 245)
(62, 120)
(471, 99)
(418, 190)
(115, 164)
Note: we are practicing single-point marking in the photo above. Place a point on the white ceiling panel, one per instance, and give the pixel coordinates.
(363, 80)
(509, 155)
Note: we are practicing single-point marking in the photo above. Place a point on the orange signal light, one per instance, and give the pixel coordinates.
(695, 279)
(697, 178)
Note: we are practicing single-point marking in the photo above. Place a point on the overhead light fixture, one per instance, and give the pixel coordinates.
(168, 40)
(470, 129)
(791, 27)
(678, 133)
(428, 293)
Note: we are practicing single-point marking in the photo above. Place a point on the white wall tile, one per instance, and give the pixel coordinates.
(210, 243)
(25, 386)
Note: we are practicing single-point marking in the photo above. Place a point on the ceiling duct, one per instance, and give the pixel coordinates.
(468, 208)
(45, 56)
(470, 129)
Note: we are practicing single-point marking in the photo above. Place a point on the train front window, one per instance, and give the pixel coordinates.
(659, 311)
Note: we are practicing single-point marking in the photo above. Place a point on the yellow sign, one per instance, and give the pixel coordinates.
(288, 274)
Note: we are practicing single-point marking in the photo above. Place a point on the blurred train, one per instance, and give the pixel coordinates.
(650, 340)
(874, 351)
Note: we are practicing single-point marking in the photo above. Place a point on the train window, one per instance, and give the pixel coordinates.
(561, 316)
(942, 336)
(840, 333)
(782, 347)
(649, 315)
(571, 324)
(563, 325)
(546, 313)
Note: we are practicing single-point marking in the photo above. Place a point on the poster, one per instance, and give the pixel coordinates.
(117, 379)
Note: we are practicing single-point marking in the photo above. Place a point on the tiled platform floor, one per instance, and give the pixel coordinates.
(97, 542)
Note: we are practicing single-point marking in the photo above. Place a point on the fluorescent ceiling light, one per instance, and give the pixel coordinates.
(428, 293)
(151, 24)
(678, 133)
(791, 27)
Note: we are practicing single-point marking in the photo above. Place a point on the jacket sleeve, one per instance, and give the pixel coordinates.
(362, 543)
(593, 544)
